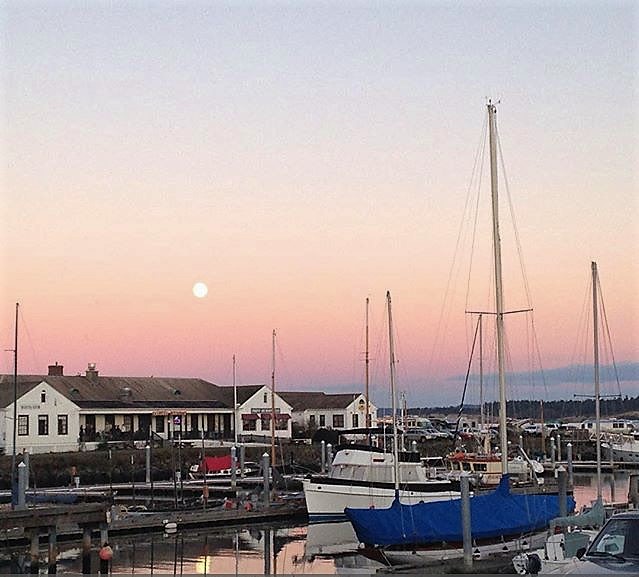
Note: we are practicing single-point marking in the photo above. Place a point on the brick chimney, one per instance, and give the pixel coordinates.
(56, 370)
(92, 373)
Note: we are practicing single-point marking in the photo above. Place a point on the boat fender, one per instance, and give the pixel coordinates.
(106, 553)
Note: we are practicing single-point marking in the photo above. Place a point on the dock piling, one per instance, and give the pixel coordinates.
(53, 551)
(234, 468)
(23, 473)
(633, 491)
(86, 550)
(266, 475)
(562, 479)
(323, 457)
(242, 460)
(34, 550)
(569, 463)
(465, 519)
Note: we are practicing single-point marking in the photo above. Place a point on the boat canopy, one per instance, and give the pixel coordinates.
(215, 464)
(499, 513)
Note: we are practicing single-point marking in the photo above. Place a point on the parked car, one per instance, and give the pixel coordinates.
(422, 434)
(615, 549)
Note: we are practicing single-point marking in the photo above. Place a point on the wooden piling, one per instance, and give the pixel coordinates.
(35, 551)
(86, 550)
(53, 551)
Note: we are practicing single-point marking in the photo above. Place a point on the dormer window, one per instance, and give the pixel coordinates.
(265, 397)
(43, 397)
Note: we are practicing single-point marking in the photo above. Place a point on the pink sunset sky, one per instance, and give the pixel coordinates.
(298, 158)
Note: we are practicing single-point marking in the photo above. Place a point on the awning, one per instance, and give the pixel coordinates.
(278, 416)
(249, 417)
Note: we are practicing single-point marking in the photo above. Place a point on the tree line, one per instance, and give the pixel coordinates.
(552, 410)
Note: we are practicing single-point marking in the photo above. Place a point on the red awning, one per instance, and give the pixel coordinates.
(278, 416)
(249, 417)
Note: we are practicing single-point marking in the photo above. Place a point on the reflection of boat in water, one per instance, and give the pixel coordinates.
(330, 539)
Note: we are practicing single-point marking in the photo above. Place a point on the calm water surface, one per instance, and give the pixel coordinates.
(319, 548)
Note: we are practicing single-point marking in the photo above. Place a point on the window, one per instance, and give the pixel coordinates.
(159, 424)
(281, 424)
(265, 398)
(311, 420)
(23, 425)
(249, 425)
(109, 422)
(63, 424)
(266, 423)
(322, 420)
(43, 397)
(338, 421)
(127, 425)
(355, 420)
(43, 424)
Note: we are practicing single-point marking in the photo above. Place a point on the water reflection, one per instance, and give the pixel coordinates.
(614, 487)
(329, 548)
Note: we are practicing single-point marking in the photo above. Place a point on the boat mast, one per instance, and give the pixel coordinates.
(391, 349)
(499, 304)
(367, 420)
(595, 321)
(234, 403)
(14, 479)
(481, 374)
(273, 405)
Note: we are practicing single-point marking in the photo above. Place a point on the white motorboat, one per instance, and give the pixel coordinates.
(362, 476)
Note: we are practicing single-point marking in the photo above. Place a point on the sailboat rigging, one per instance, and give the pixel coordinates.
(500, 514)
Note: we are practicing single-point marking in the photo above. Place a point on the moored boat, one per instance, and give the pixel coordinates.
(362, 476)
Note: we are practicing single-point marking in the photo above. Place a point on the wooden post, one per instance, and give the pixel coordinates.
(53, 550)
(86, 550)
(35, 551)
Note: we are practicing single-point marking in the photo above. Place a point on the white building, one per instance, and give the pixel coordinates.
(255, 409)
(67, 413)
(332, 411)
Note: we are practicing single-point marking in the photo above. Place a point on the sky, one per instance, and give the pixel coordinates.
(299, 157)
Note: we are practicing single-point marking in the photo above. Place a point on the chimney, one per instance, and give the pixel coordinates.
(56, 370)
(92, 373)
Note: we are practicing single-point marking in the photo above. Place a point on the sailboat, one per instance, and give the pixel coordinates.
(496, 517)
(560, 548)
(368, 476)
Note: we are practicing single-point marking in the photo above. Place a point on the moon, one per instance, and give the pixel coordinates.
(200, 290)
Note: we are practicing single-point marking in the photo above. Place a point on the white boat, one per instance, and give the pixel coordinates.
(362, 476)
(622, 448)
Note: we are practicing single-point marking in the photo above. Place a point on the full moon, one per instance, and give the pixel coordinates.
(200, 290)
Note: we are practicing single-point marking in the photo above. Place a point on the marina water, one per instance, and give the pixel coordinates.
(259, 549)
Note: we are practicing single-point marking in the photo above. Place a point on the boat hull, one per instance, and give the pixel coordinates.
(621, 452)
(435, 555)
(326, 500)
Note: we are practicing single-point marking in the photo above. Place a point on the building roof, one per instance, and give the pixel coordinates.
(244, 393)
(121, 391)
(301, 401)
